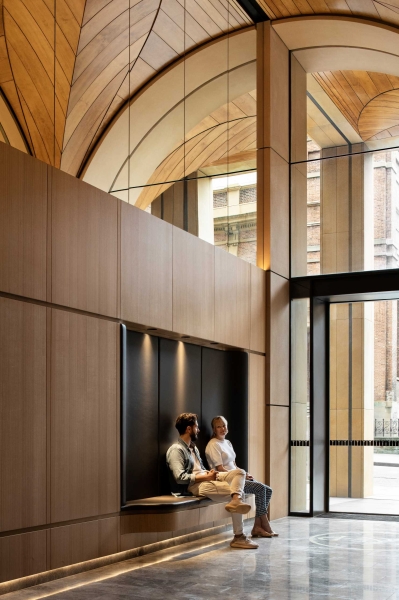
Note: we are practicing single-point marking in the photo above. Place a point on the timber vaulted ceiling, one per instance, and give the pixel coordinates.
(67, 66)
(381, 10)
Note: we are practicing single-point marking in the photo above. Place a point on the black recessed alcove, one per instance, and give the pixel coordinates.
(162, 378)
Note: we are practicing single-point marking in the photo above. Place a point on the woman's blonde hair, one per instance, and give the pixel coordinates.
(213, 423)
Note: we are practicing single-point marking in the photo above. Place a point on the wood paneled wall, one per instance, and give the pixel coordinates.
(74, 263)
(274, 248)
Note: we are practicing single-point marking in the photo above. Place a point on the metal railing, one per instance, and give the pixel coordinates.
(386, 428)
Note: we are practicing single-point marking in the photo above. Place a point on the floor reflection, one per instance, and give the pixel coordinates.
(312, 558)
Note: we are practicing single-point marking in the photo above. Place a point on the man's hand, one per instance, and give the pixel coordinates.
(211, 475)
(249, 477)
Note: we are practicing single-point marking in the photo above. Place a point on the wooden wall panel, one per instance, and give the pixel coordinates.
(273, 91)
(83, 541)
(193, 286)
(22, 415)
(257, 417)
(146, 268)
(277, 340)
(84, 424)
(258, 309)
(23, 215)
(22, 555)
(84, 245)
(277, 457)
(232, 300)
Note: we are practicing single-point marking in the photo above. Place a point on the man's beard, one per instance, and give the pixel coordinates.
(194, 437)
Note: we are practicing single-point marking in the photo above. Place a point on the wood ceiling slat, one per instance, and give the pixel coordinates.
(102, 19)
(140, 74)
(304, 6)
(18, 17)
(40, 14)
(338, 6)
(92, 8)
(77, 8)
(62, 88)
(381, 82)
(391, 15)
(34, 102)
(75, 147)
(287, 8)
(234, 18)
(345, 90)
(11, 94)
(65, 55)
(201, 17)
(169, 32)
(5, 68)
(98, 44)
(216, 15)
(365, 8)
(94, 91)
(366, 82)
(156, 53)
(394, 81)
(270, 9)
(142, 9)
(95, 68)
(38, 146)
(38, 73)
(326, 80)
(50, 5)
(357, 87)
(67, 23)
(319, 6)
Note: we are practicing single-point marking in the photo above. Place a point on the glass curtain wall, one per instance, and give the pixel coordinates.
(345, 219)
(190, 133)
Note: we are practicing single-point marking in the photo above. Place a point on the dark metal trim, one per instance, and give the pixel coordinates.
(122, 414)
(253, 10)
(363, 286)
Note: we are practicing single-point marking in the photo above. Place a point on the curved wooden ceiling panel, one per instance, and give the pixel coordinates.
(120, 49)
(380, 118)
(67, 66)
(381, 10)
(41, 53)
(369, 101)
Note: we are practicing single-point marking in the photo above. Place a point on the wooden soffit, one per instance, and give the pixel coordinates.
(68, 66)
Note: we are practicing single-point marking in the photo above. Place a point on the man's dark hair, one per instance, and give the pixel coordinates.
(185, 420)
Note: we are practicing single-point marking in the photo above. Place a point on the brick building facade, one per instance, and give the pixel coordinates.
(386, 256)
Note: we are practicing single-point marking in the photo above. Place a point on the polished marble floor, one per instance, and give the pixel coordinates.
(312, 558)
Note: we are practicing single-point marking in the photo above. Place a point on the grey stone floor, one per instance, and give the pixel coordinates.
(312, 558)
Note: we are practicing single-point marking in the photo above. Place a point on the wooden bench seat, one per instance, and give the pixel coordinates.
(169, 513)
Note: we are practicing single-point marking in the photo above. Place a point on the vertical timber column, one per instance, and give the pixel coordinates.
(273, 251)
(347, 242)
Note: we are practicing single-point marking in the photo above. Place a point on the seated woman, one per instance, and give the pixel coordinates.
(221, 457)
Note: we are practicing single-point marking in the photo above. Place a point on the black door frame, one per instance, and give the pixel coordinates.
(323, 290)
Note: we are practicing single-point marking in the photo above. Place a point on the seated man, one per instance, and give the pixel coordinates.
(189, 477)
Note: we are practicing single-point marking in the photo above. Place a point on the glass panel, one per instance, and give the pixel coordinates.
(364, 446)
(300, 426)
(351, 211)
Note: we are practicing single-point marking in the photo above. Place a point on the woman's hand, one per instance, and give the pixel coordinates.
(249, 477)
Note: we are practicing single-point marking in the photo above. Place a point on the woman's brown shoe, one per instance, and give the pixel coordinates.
(261, 533)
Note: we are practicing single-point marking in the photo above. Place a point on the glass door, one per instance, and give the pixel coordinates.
(364, 408)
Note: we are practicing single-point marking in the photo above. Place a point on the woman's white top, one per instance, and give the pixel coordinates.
(220, 452)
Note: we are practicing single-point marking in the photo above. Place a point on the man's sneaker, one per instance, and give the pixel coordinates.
(238, 506)
(244, 543)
